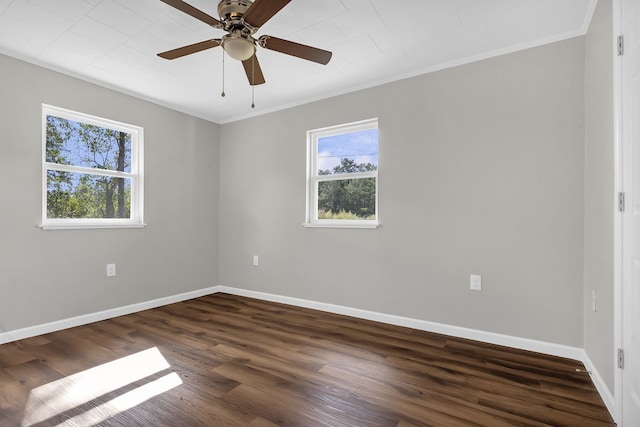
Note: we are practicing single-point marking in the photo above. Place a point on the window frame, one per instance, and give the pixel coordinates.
(313, 178)
(136, 219)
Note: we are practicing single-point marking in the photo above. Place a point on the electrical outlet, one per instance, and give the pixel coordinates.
(111, 270)
(593, 300)
(475, 282)
(255, 260)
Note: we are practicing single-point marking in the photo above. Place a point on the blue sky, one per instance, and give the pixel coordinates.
(360, 146)
(75, 150)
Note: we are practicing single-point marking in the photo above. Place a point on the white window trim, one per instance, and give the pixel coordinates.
(313, 178)
(136, 175)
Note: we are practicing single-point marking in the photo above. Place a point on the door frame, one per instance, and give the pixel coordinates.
(620, 148)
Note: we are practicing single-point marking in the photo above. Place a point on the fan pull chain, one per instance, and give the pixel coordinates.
(253, 82)
(223, 94)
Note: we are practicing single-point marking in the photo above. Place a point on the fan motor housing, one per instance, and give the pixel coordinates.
(232, 10)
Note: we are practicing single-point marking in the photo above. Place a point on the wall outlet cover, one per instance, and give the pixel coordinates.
(475, 282)
(111, 270)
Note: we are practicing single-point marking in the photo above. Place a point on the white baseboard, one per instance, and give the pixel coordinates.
(605, 393)
(456, 331)
(575, 353)
(58, 325)
(423, 325)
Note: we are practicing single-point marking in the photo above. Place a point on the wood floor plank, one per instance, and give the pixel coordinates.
(261, 422)
(13, 354)
(285, 371)
(13, 397)
(224, 360)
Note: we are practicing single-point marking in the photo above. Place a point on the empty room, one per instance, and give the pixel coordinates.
(319, 213)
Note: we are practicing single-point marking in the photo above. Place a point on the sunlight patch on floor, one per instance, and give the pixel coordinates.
(67, 395)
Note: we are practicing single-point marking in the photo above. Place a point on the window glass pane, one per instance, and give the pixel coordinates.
(347, 199)
(348, 152)
(78, 195)
(80, 144)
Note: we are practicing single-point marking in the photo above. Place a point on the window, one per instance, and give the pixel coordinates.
(342, 176)
(91, 171)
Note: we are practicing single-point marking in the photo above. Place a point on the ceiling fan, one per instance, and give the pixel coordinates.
(241, 19)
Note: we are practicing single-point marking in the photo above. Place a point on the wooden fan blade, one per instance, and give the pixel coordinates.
(263, 10)
(296, 49)
(253, 71)
(188, 50)
(196, 13)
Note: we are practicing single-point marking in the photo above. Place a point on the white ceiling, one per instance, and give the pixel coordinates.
(114, 43)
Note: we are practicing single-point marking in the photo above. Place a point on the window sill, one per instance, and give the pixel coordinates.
(88, 226)
(337, 225)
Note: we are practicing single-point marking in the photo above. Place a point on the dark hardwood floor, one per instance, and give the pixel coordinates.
(223, 360)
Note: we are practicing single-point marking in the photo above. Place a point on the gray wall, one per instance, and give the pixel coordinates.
(481, 171)
(52, 275)
(599, 192)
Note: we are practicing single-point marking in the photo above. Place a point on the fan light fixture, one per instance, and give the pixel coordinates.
(238, 48)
